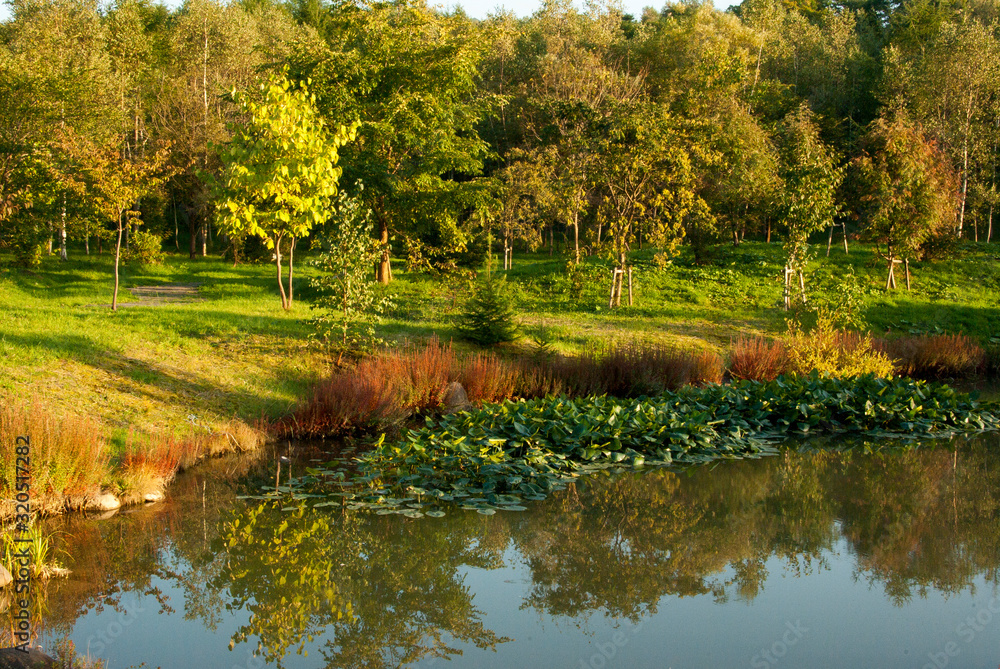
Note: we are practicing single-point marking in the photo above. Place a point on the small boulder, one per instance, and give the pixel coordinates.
(5, 576)
(455, 398)
(106, 502)
(11, 658)
(151, 497)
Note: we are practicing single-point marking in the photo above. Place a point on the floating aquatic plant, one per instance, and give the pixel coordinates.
(498, 456)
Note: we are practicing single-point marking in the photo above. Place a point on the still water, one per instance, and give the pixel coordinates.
(807, 559)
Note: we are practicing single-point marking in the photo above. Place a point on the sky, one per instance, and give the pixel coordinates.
(480, 8)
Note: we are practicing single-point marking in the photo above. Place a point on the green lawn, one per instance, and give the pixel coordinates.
(235, 353)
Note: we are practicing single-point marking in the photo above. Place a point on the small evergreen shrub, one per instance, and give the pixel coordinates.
(488, 317)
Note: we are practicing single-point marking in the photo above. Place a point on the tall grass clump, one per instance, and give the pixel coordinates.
(633, 370)
(757, 359)
(378, 392)
(44, 562)
(488, 378)
(147, 462)
(69, 455)
(935, 356)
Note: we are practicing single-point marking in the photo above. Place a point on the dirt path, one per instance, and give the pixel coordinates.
(168, 293)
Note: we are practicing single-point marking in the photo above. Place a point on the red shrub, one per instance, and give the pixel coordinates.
(757, 359)
(934, 356)
(487, 378)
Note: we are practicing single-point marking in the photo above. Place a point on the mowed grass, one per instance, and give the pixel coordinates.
(232, 354)
(236, 354)
(738, 293)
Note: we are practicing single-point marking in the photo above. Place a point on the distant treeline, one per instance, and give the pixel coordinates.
(598, 131)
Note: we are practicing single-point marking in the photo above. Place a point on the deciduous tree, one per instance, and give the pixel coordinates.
(279, 172)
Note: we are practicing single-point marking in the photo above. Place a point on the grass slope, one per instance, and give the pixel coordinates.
(235, 353)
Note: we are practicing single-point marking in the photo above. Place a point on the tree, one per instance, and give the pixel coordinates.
(956, 83)
(910, 190)
(212, 48)
(645, 179)
(515, 208)
(279, 172)
(21, 171)
(59, 48)
(349, 302)
(409, 74)
(811, 179)
(115, 183)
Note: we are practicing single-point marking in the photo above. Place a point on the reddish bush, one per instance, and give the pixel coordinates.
(708, 368)
(69, 454)
(757, 359)
(935, 356)
(487, 378)
(383, 390)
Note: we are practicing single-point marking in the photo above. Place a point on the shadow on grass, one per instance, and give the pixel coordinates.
(160, 382)
(910, 317)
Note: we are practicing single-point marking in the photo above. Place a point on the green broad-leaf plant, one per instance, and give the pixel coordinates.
(350, 301)
(279, 172)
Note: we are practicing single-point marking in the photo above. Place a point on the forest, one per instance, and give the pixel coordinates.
(135, 127)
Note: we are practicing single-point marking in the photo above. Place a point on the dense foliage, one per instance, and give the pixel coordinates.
(597, 129)
(497, 456)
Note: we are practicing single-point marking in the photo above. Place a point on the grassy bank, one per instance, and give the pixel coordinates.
(163, 381)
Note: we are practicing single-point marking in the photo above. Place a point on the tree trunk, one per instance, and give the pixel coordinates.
(62, 231)
(965, 185)
(86, 243)
(291, 256)
(193, 229)
(989, 228)
(118, 254)
(203, 233)
(277, 262)
(768, 231)
(787, 289)
(384, 263)
(576, 237)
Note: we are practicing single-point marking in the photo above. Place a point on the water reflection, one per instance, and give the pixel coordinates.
(359, 590)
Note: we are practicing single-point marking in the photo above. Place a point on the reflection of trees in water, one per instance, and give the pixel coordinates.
(623, 542)
(386, 592)
(914, 519)
(378, 591)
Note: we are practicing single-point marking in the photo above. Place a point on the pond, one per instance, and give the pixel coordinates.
(885, 557)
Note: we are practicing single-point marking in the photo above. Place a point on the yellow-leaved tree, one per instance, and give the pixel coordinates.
(279, 172)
